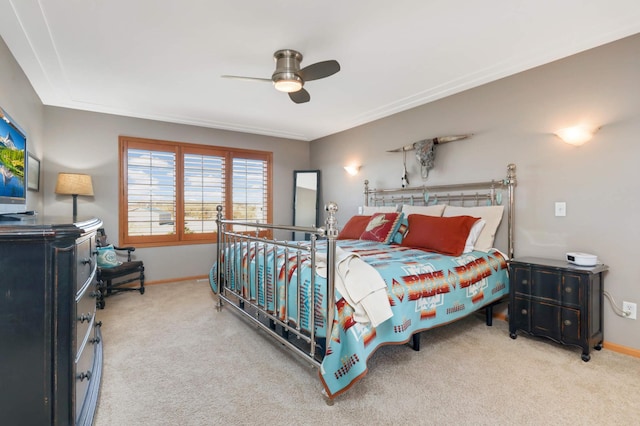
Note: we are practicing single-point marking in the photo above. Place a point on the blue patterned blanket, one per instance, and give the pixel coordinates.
(424, 289)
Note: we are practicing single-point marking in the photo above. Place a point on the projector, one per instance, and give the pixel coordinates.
(582, 259)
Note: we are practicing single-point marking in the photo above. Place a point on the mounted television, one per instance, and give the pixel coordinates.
(13, 170)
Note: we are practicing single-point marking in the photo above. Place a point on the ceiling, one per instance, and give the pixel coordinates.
(162, 59)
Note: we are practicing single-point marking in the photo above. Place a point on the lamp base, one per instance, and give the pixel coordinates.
(75, 206)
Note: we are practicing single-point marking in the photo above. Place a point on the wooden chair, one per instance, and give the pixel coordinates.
(114, 279)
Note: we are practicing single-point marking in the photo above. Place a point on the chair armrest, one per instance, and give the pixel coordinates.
(124, 248)
(128, 249)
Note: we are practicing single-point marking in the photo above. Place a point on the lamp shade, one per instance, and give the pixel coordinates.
(74, 184)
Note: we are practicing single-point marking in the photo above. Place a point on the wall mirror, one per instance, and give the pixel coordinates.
(306, 197)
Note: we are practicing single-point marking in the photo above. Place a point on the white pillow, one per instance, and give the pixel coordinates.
(369, 210)
(435, 210)
(474, 233)
(491, 214)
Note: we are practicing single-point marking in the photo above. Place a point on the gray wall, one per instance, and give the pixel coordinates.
(20, 101)
(512, 121)
(88, 142)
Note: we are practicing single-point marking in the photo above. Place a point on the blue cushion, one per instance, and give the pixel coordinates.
(107, 257)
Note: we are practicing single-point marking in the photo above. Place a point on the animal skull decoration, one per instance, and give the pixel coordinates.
(426, 156)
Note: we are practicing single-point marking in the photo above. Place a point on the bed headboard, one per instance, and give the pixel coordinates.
(461, 194)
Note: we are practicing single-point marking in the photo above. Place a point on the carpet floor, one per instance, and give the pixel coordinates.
(171, 359)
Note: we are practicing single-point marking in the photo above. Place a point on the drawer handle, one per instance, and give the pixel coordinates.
(85, 317)
(524, 312)
(568, 289)
(525, 282)
(567, 322)
(95, 340)
(87, 261)
(84, 375)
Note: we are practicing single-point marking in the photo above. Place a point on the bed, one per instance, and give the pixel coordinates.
(411, 260)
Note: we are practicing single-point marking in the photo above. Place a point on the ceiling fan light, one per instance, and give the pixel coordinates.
(288, 85)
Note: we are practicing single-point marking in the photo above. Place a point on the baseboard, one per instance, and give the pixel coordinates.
(621, 349)
(175, 280)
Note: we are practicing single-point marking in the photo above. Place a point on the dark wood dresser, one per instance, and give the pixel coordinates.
(554, 299)
(50, 342)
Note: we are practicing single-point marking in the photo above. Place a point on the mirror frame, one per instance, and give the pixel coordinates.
(296, 174)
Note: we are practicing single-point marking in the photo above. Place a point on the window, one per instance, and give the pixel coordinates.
(170, 190)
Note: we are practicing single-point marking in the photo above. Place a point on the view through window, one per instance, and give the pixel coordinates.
(170, 190)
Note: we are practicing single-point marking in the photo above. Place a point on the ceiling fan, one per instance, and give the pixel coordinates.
(289, 78)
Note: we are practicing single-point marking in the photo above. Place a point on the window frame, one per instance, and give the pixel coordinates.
(179, 149)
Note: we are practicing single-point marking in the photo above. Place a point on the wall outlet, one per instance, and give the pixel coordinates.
(629, 310)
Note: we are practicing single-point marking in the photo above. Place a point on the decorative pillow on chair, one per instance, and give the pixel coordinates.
(107, 257)
(446, 235)
(382, 227)
(354, 228)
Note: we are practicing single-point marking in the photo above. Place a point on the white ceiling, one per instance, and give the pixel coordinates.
(162, 59)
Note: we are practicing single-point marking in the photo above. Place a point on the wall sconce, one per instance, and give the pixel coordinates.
(74, 184)
(576, 135)
(352, 170)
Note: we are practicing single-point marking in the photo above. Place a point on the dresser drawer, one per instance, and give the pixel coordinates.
(521, 280)
(545, 284)
(556, 286)
(86, 260)
(86, 371)
(85, 316)
(572, 287)
(546, 319)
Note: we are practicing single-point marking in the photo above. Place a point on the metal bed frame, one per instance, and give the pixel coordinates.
(301, 342)
(305, 343)
(474, 193)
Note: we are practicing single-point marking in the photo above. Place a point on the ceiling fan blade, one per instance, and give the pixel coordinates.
(240, 77)
(319, 70)
(300, 97)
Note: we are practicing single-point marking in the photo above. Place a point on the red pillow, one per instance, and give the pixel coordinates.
(354, 228)
(446, 235)
(382, 227)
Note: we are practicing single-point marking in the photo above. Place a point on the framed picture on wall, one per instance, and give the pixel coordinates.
(33, 173)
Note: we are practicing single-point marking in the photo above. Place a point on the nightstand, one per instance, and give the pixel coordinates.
(555, 299)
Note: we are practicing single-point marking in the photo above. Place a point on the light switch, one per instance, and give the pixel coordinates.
(561, 208)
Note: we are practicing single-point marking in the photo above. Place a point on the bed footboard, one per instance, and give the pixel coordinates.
(260, 277)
